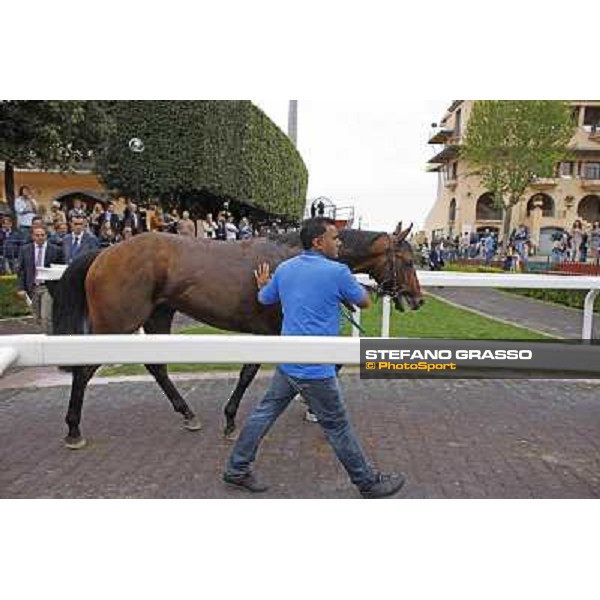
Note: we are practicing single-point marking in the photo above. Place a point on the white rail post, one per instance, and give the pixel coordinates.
(386, 307)
(588, 315)
(356, 317)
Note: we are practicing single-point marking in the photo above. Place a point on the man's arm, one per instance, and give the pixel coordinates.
(351, 291)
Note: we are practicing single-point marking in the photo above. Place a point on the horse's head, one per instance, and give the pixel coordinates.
(394, 270)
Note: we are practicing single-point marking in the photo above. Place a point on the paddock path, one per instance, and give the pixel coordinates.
(453, 439)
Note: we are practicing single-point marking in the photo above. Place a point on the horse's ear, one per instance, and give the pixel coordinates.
(399, 235)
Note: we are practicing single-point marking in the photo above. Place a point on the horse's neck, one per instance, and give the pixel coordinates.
(356, 249)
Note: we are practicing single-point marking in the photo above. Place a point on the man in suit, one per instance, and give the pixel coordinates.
(38, 253)
(78, 241)
(111, 217)
(132, 218)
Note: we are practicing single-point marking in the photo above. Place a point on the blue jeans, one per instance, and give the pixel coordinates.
(324, 398)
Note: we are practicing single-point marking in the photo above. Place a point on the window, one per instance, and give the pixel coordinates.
(591, 118)
(457, 123)
(454, 170)
(591, 170)
(565, 169)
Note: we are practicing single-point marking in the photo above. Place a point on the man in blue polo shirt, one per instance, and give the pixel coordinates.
(310, 287)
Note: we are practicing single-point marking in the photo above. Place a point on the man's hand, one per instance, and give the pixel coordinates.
(262, 275)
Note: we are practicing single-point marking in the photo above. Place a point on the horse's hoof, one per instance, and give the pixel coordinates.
(230, 433)
(192, 424)
(75, 443)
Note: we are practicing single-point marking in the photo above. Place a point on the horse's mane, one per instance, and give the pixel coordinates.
(356, 243)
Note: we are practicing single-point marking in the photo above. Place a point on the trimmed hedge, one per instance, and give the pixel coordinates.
(229, 149)
(573, 298)
(461, 268)
(10, 304)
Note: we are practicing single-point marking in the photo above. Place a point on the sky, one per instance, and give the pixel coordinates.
(370, 154)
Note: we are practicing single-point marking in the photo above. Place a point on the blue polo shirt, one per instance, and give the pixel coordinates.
(310, 287)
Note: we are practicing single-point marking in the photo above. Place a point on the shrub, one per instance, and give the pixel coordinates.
(10, 304)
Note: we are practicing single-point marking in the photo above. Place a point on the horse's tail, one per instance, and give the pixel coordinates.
(69, 308)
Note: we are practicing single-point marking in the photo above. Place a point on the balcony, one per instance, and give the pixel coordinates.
(442, 136)
(544, 183)
(591, 185)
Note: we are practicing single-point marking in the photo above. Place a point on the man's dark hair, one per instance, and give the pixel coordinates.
(313, 228)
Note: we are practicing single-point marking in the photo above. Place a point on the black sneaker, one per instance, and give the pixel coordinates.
(387, 484)
(245, 482)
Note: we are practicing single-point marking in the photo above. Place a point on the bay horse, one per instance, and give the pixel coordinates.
(143, 281)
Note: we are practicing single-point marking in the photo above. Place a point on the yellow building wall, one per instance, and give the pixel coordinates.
(47, 186)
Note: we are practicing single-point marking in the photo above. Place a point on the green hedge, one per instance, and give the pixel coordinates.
(229, 149)
(459, 268)
(573, 298)
(10, 304)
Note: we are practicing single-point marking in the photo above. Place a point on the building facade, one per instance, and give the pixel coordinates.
(48, 186)
(463, 205)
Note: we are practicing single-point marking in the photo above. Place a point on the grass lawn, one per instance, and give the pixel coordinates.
(436, 319)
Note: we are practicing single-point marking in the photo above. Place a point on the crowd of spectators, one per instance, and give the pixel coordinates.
(104, 225)
(577, 245)
(38, 237)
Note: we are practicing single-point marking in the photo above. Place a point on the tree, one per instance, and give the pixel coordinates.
(50, 134)
(511, 143)
(196, 150)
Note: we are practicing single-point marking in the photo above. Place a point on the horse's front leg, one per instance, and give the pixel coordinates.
(247, 374)
(190, 421)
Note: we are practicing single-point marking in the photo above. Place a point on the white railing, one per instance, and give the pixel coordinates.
(457, 279)
(503, 280)
(39, 350)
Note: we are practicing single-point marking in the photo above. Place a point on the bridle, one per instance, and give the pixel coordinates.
(389, 285)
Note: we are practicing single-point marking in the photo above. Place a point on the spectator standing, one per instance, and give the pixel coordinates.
(245, 232)
(79, 240)
(157, 220)
(221, 229)
(38, 253)
(96, 218)
(111, 217)
(11, 241)
(26, 208)
(185, 225)
(210, 227)
(231, 231)
(58, 214)
(108, 236)
(132, 218)
(78, 210)
(60, 231)
(436, 261)
(583, 248)
(576, 240)
(594, 242)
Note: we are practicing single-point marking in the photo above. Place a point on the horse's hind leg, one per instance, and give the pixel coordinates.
(247, 374)
(81, 377)
(160, 322)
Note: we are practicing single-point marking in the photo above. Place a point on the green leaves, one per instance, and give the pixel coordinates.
(510, 143)
(229, 149)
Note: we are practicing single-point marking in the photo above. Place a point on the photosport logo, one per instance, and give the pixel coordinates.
(456, 359)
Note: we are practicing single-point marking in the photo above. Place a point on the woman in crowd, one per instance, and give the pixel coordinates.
(108, 236)
(576, 240)
(96, 218)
